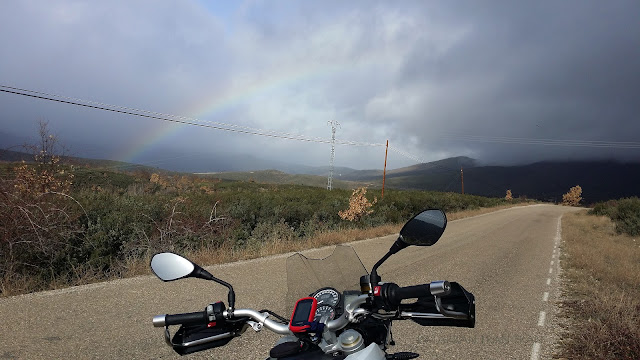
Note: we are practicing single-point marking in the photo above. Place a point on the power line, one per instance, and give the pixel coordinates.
(545, 142)
(178, 119)
(406, 154)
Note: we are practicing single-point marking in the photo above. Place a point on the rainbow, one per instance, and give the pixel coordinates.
(213, 106)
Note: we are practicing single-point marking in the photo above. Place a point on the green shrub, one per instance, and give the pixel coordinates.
(607, 208)
(628, 216)
(625, 213)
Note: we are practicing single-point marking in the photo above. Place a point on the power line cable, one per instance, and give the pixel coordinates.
(178, 119)
(545, 142)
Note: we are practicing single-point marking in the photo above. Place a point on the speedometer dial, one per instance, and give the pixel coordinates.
(325, 313)
(328, 296)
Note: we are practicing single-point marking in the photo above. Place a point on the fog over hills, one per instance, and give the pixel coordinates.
(600, 180)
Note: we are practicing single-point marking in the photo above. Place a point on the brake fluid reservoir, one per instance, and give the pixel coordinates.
(351, 341)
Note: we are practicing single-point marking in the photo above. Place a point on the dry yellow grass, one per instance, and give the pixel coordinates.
(602, 292)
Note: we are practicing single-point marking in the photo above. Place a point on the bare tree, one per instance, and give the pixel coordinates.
(48, 174)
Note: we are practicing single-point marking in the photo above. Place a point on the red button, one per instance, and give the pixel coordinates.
(376, 291)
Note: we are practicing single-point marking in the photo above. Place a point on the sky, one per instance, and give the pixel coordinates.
(504, 82)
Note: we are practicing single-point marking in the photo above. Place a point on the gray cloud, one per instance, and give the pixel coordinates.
(410, 72)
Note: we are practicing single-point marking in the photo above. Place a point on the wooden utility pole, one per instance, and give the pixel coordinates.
(384, 172)
(462, 179)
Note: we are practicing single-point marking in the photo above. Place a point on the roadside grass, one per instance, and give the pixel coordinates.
(602, 294)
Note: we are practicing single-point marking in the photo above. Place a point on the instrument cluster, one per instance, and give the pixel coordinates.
(328, 304)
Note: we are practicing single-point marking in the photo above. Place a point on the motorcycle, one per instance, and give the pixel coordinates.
(332, 314)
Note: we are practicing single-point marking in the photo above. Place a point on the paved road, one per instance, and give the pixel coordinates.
(508, 259)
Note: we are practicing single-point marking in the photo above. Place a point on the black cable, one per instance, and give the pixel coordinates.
(275, 315)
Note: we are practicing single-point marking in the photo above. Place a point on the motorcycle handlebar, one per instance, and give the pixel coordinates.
(394, 294)
(193, 318)
(201, 317)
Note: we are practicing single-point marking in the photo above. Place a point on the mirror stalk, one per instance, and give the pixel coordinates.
(201, 273)
(397, 246)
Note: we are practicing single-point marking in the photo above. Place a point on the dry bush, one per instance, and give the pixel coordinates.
(508, 197)
(572, 198)
(33, 231)
(359, 205)
(36, 216)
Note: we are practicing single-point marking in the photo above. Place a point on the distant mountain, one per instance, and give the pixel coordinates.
(600, 180)
(13, 156)
(8, 155)
(434, 168)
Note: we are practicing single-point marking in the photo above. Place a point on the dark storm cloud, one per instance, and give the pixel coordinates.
(424, 75)
(559, 70)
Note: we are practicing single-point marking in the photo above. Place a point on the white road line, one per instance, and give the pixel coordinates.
(541, 318)
(535, 351)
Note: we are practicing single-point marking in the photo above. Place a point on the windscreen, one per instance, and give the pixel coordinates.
(340, 270)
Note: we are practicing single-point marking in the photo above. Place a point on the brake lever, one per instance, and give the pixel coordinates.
(448, 313)
(167, 336)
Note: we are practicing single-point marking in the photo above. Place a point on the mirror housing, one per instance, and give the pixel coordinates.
(170, 267)
(424, 229)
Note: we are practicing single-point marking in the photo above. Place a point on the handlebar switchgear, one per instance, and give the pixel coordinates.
(391, 295)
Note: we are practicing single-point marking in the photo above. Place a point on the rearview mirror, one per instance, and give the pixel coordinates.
(424, 229)
(169, 266)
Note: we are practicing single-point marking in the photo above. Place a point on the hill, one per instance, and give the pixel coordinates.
(600, 180)
(16, 156)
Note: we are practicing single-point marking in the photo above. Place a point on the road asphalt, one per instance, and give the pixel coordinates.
(508, 259)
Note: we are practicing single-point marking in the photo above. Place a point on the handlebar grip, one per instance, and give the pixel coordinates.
(394, 294)
(193, 318)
